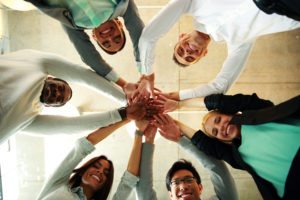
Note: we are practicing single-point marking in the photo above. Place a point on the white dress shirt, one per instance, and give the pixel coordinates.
(21, 82)
(236, 22)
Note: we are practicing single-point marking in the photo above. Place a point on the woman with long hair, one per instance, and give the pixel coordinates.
(93, 180)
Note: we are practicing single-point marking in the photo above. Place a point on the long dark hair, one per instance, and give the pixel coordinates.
(101, 194)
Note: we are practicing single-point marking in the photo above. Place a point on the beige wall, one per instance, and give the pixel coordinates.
(273, 72)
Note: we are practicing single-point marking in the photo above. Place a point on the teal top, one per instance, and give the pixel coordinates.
(87, 13)
(270, 149)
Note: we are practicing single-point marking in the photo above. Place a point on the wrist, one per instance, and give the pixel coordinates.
(139, 133)
(123, 112)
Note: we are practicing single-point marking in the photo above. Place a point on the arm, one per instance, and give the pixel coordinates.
(221, 178)
(61, 68)
(231, 69)
(134, 25)
(83, 147)
(156, 28)
(53, 124)
(130, 176)
(144, 188)
(232, 104)
(89, 53)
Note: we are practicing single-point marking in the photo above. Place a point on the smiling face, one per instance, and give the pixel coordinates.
(55, 92)
(191, 47)
(184, 186)
(217, 126)
(96, 175)
(110, 36)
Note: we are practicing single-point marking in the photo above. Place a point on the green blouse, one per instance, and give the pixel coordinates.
(270, 149)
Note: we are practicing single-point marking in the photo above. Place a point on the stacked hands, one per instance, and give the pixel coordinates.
(148, 106)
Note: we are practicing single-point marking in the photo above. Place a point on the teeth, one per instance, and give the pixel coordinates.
(96, 177)
(106, 31)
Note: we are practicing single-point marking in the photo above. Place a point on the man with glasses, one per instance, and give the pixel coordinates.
(27, 84)
(236, 22)
(183, 180)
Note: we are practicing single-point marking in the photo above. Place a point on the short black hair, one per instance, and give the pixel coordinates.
(114, 52)
(181, 164)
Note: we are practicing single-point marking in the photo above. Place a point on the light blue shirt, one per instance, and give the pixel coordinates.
(87, 13)
(270, 149)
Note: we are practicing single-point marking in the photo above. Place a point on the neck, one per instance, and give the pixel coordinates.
(88, 191)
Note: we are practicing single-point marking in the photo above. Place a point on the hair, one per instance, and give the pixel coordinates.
(204, 120)
(181, 164)
(75, 180)
(175, 59)
(114, 52)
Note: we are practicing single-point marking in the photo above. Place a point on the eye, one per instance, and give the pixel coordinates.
(180, 51)
(117, 39)
(106, 44)
(217, 120)
(189, 59)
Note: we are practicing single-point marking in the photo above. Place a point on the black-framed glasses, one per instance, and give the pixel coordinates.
(186, 179)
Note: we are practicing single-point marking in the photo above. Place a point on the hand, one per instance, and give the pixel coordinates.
(167, 105)
(128, 89)
(145, 86)
(167, 127)
(136, 111)
(171, 95)
(141, 125)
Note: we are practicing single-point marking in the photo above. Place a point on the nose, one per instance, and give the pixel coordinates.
(182, 185)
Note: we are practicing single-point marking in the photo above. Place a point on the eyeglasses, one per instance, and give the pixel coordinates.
(186, 179)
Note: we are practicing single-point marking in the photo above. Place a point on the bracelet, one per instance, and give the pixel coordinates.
(139, 133)
(122, 112)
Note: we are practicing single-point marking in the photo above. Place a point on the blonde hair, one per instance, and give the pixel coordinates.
(204, 120)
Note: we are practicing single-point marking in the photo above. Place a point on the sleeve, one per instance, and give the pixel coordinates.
(144, 187)
(221, 178)
(89, 54)
(62, 173)
(134, 25)
(53, 124)
(232, 104)
(125, 187)
(156, 28)
(61, 68)
(231, 69)
(214, 148)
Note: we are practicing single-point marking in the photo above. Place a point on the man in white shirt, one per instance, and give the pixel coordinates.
(237, 22)
(26, 87)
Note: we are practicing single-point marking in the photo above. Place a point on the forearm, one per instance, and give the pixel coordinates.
(52, 124)
(100, 134)
(185, 130)
(144, 187)
(89, 53)
(135, 156)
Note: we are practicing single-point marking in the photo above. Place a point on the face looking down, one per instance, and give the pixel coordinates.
(110, 36)
(191, 47)
(56, 92)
